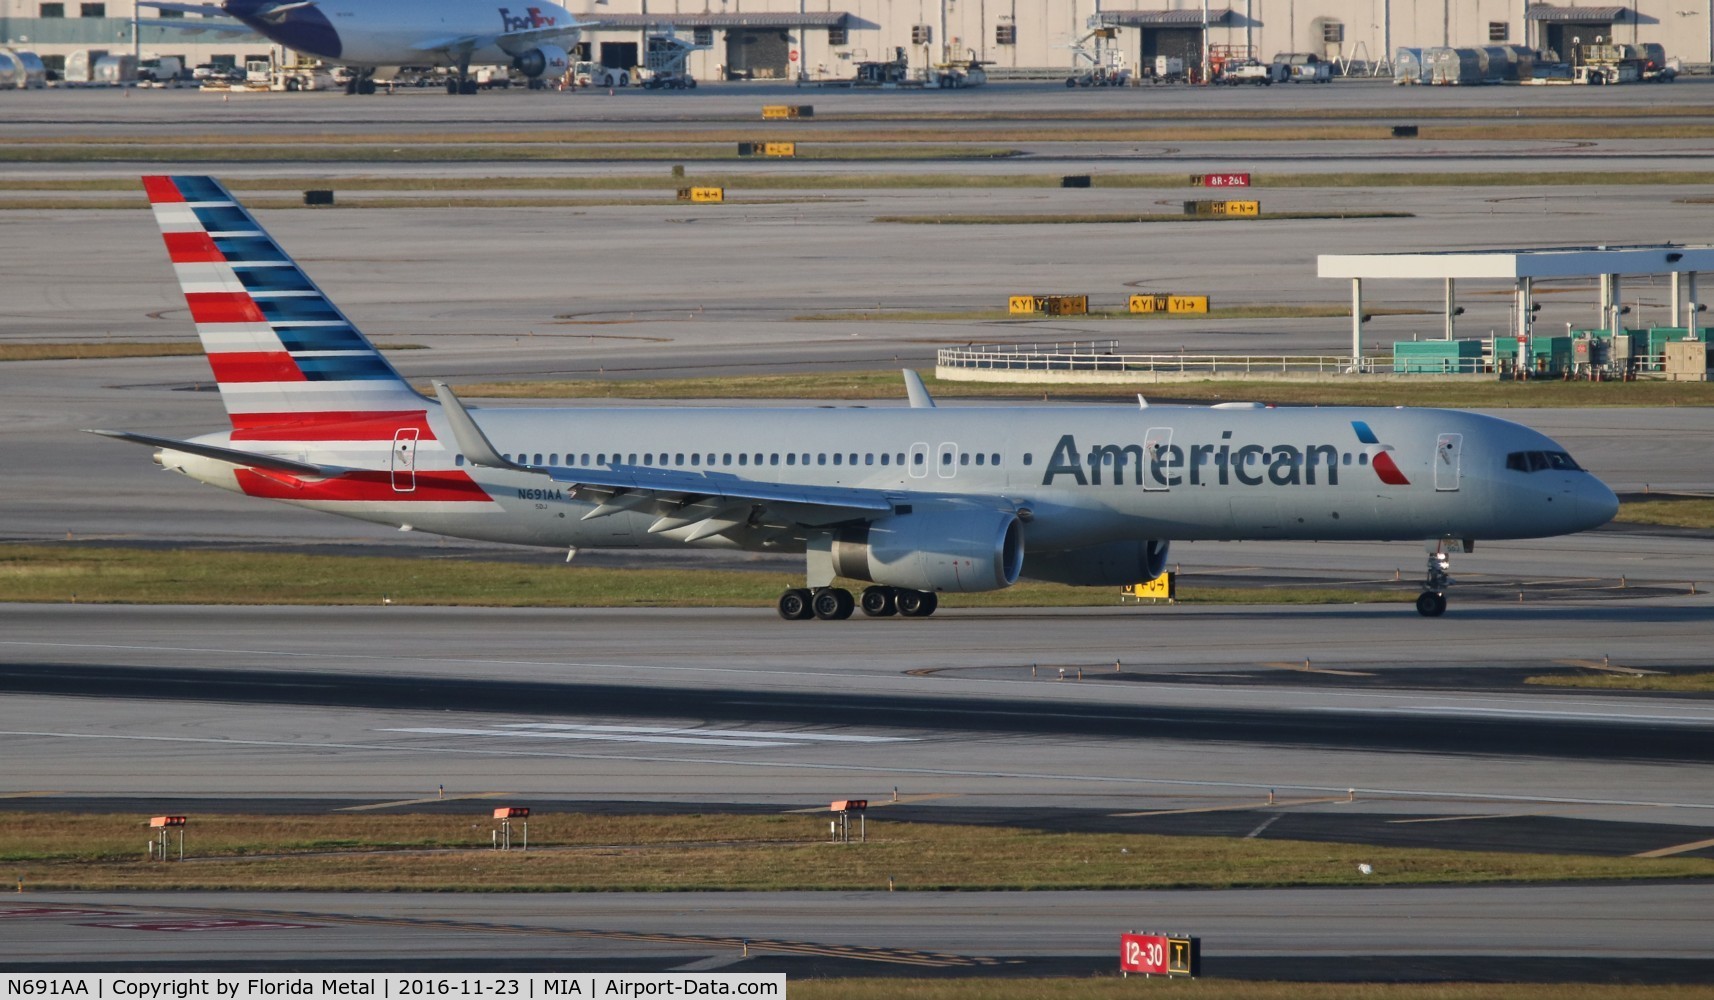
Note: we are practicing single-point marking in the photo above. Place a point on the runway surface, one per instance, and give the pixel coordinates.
(391, 702)
(1505, 934)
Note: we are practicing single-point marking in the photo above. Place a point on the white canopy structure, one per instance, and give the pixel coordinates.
(1522, 268)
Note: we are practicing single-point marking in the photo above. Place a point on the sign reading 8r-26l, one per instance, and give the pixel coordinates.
(1160, 955)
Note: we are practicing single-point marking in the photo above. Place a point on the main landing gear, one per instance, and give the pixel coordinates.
(1431, 603)
(836, 603)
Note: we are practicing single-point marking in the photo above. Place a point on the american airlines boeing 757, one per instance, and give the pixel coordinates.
(915, 501)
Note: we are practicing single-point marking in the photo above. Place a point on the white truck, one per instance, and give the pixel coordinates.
(593, 74)
(1255, 72)
(161, 71)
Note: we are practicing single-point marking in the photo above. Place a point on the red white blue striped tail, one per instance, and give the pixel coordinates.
(290, 366)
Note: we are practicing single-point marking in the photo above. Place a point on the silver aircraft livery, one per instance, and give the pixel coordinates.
(916, 501)
(531, 36)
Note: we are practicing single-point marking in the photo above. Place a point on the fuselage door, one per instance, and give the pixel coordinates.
(946, 460)
(1448, 455)
(919, 460)
(1155, 445)
(405, 460)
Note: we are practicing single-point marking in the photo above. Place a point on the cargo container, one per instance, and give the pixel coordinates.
(1453, 67)
(34, 73)
(1409, 67)
(114, 71)
(80, 67)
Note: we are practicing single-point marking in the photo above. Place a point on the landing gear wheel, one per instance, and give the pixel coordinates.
(1430, 604)
(833, 604)
(366, 86)
(879, 602)
(467, 87)
(794, 605)
(452, 87)
(917, 603)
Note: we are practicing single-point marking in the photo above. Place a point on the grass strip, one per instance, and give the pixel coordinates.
(417, 151)
(1669, 511)
(98, 349)
(1103, 218)
(1606, 681)
(593, 853)
(62, 573)
(1114, 988)
(865, 385)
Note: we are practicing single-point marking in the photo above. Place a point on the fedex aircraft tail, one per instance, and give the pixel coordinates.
(290, 366)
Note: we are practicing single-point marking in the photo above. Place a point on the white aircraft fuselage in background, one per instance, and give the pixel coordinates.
(529, 34)
(917, 500)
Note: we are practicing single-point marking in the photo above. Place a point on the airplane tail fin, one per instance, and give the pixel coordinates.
(289, 365)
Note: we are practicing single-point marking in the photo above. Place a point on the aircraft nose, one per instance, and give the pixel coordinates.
(1597, 503)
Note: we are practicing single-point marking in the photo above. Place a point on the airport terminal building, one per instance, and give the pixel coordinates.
(818, 40)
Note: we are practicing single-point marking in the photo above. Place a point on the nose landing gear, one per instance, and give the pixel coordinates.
(1431, 603)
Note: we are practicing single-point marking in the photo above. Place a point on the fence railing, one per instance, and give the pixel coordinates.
(1089, 357)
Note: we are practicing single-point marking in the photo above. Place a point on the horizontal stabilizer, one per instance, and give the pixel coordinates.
(233, 455)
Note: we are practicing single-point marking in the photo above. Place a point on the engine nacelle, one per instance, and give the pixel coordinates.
(543, 60)
(1113, 564)
(952, 548)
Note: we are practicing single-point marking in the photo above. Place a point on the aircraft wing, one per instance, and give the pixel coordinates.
(205, 9)
(236, 456)
(214, 18)
(510, 42)
(715, 502)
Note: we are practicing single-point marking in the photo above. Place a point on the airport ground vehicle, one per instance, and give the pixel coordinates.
(1251, 71)
(161, 71)
(593, 74)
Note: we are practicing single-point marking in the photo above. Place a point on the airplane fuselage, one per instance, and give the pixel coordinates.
(1085, 475)
(393, 32)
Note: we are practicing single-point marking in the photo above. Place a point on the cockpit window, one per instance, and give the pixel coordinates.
(1541, 461)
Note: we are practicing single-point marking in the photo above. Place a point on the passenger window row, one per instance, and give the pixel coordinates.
(712, 459)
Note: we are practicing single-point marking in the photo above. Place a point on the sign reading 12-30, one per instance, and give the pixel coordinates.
(1160, 955)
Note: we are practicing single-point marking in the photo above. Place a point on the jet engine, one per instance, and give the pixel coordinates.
(936, 549)
(543, 60)
(1112, 564)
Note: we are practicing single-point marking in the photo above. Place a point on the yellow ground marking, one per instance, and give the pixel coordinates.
(1263, 804)
(1610, 667)
(26, 795)
(421, 802)
(1298, 666)
(1457, 819)
(1667, 852)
